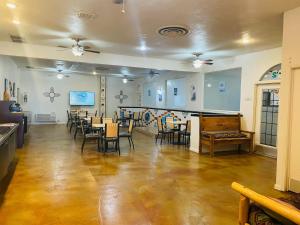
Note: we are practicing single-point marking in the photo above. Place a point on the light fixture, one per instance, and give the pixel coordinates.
(246, 39)
(60, 76)
(11, 5)
(143, 47)
(77, 50)
(94, 73)
(125, 80)
(197, 63)
(123, 7)
(17, 22)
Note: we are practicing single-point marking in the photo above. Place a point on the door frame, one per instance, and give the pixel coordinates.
(257, 104)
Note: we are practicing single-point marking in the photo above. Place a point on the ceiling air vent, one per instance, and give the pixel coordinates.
(86, 15)
(17, 39)
(173, 31)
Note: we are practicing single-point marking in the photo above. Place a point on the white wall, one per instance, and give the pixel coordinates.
(36, 83)
(8, 70)
(113, 88)
(291, 61)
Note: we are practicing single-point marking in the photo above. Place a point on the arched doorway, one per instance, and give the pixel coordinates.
(266, 112)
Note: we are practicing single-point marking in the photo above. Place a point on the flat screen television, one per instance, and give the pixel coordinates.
(82, 98)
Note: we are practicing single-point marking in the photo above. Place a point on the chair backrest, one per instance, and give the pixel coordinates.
(159, 124)
(107, 120)
(82, 113)
(96, 120)
(115, 118)
(126, 114)
(83, 125)
(220, 123)
(136, 115)
(188, 126)
(130, 128)
(141, 115)
(169, 122)
(112, 130)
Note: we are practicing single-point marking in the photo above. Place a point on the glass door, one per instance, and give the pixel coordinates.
(267, 119)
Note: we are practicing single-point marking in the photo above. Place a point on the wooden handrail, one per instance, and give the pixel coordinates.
(275, 206)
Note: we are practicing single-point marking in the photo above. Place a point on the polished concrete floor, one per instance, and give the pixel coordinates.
(55, 185)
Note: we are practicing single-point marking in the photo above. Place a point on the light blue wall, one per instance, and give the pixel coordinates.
(178, 100)
(222, 90)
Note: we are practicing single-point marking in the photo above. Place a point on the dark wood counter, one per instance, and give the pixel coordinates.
(8, 146)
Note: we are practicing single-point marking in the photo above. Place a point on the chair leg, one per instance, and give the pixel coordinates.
(132, 142)
(82, 146)
(98, 144)
(156, 137)
(75, 134)
(71, 127)
(129, 142)
(162, 136)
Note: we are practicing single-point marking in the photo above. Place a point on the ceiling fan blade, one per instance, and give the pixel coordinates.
(92, 51)
(208, 60)
(208, 63)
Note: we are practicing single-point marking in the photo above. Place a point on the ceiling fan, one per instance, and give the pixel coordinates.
(197, 63)
(78, 49)
(152, 73)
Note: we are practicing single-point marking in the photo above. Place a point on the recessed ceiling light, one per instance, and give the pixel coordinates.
(246, 39)
(17, 22)
(125, 80)
(11, 5)
(94, 73)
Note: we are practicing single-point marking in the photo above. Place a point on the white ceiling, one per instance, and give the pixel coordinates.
(73, 68)
(216, 26)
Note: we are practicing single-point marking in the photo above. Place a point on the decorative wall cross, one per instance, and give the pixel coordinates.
(51, 94)
(121, 97)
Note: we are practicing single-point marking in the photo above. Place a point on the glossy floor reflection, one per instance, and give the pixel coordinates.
(54, 185)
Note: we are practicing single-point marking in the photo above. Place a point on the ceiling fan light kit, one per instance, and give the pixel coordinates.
(77, 50)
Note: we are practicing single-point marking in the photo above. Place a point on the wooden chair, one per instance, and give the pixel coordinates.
(186, 133)
(247, 197)
(128, 134)
(111, 134)
(88, 134)
(223, 130)
(163, 132)
(107, 120)
(73, 120)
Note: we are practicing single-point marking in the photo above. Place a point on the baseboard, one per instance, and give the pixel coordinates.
(279, 187)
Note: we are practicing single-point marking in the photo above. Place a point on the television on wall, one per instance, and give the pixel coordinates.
(82, 98)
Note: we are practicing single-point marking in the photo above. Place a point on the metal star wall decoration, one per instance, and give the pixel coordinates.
(51, 94)
(121, 97)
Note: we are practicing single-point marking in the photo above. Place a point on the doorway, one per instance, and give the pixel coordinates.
(267, 119)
